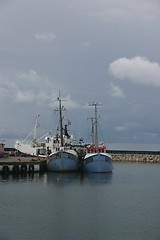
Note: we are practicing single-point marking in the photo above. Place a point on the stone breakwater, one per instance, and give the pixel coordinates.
(136, 157)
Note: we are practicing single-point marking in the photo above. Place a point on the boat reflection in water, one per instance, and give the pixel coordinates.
(69, 178)
(58, 178)
(97, 177)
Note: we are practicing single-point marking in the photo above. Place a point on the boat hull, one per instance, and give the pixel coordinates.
(97, 163)
(61, 161)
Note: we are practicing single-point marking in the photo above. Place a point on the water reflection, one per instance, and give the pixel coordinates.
(97, 177)
(59, 178)
(21, 177)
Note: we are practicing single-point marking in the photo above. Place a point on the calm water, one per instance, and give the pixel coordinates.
(123, 205)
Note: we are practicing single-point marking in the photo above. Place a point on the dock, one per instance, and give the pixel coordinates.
(22, 165)
(32, 164)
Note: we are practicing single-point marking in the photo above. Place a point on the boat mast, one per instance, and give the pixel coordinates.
(95, 104)
(92, 131)
(60, 109)
(60, 119)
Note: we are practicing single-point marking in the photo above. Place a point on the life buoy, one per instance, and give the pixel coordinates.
(15, 168)
(23, 168)
(5, 169)
(31, 168)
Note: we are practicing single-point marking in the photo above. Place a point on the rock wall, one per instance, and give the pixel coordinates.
(144, 158)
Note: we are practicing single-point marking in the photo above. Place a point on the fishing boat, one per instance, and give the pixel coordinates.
(32, 147)
(96, 160)
(62, 158)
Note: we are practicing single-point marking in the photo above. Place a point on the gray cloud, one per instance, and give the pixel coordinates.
(146, 10)
(116, 91)
(138, 70)
(51, 46)
(46, 37)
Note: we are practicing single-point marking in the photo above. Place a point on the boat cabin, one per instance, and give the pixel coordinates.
(94, 149)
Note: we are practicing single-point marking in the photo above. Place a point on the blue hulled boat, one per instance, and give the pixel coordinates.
(62, 157)
(63, 161)
(96, 160)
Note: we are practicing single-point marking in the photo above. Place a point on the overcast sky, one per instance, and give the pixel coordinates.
(90, 50)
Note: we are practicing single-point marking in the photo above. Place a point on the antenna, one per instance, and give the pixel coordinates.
(2, 141)
(36, 127)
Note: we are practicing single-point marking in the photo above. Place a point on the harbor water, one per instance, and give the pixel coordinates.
(124, 205)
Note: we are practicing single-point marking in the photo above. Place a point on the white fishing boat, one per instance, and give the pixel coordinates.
(97, 160)
(32, 147)
(62, 157)
(2, 148)
(53, 142)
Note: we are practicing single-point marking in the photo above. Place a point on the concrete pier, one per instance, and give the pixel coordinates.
(22, 165)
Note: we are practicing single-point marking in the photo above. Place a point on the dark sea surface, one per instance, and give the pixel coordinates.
(124, 205)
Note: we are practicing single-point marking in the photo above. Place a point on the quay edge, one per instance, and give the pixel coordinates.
(22, 165)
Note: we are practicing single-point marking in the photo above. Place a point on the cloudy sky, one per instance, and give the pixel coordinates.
(90, 50)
